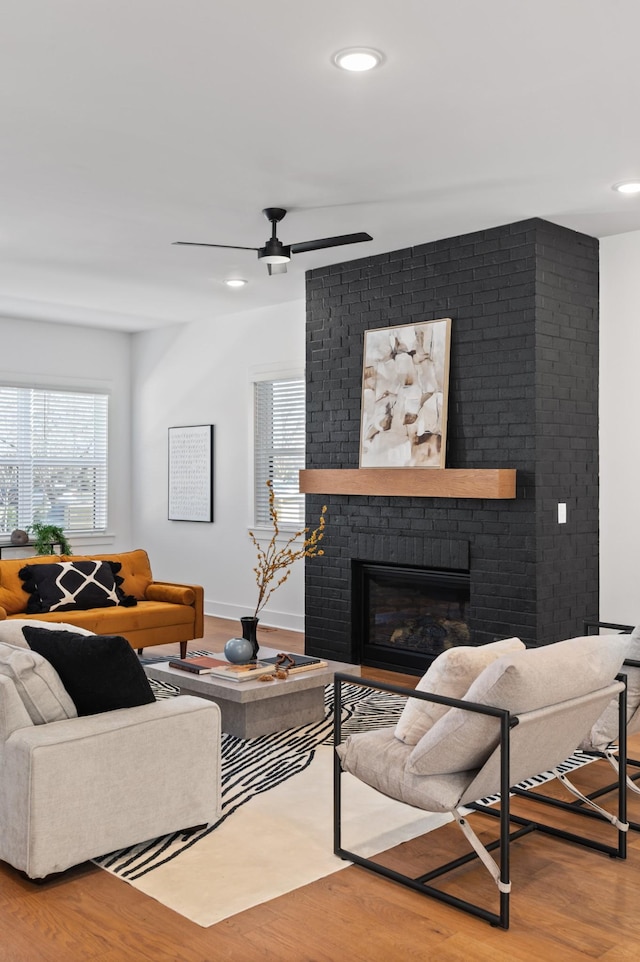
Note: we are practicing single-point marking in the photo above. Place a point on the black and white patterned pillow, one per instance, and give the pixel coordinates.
(66, 585)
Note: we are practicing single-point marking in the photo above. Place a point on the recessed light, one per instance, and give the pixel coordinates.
(358, 59)
(628, 187)
(235, 282)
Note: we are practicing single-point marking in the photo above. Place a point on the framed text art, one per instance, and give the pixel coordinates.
(405, 386)
(191, 473)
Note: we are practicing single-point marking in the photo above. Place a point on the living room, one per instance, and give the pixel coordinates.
(190, 362)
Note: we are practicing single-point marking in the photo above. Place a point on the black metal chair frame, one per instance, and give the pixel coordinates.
(420, 883)
(578, 804)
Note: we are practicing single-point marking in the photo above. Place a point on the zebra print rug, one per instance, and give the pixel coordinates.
(274, 833)
(274, 830)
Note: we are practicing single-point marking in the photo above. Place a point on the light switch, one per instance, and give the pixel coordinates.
(562, 512)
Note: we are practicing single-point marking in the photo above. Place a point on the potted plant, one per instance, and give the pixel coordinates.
(46, 535)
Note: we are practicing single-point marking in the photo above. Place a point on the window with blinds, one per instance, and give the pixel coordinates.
(279, 418)
(53, 459)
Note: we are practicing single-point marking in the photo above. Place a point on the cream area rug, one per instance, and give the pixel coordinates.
(275, 832)
(276, 829)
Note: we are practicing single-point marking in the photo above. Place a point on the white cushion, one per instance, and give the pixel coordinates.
(38, 684)
(450, 674)
(519, 682)
(605, 729)
(11, 629)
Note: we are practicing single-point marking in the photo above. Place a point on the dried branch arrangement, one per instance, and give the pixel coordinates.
(274, 561)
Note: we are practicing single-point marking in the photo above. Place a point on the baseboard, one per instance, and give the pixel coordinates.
(268, 617)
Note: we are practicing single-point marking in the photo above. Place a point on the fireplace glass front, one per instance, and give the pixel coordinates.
(404, 616)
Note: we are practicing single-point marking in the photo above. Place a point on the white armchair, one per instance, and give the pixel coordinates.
(524, 714)
(77, 788)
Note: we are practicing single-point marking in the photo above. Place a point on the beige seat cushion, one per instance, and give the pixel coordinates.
(38, 685)
(450, 674)
(519, 682)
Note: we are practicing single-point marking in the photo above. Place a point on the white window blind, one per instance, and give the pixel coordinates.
(279, 419)
(53, 459)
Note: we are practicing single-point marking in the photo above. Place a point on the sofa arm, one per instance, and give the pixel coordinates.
(174, 594)
(3, 613)
(13, 714)
(179, 594)
(129, 775)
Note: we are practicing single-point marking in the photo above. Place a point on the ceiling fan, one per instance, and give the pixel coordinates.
(277, 255)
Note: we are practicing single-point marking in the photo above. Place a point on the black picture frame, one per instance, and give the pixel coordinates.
(191, 463)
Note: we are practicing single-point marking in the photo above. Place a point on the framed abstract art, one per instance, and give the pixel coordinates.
(405, 386)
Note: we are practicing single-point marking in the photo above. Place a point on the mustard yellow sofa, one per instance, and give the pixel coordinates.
(165, 612)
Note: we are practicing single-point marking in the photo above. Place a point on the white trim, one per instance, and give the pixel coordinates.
(263, 372)
(268, 617)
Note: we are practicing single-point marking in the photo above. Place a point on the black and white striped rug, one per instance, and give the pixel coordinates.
(250, 767)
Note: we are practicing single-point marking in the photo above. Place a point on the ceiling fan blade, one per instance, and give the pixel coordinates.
(277, 268)
(230, 247)
(316, 245)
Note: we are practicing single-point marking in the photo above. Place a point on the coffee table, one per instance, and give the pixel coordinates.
(253, 708)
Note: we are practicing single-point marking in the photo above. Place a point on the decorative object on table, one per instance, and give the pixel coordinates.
(250, 633)
(249, 672)
(239, 651)
(405, 386)
(274, 561)
(290, 663)
(202, 665)
(46, 535)
(19, 536)
(191, 473)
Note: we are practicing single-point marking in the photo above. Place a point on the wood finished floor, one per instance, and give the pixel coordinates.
(567, 904)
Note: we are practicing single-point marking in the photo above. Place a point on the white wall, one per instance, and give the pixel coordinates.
(620, 428)
(200, 374)
(65, 356)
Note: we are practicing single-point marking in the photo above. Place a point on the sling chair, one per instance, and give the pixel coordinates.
(602, 739)
(524, 714)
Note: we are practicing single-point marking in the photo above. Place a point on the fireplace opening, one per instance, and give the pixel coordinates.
(403, 617)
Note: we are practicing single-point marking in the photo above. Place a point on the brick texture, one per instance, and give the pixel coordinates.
(523, 393)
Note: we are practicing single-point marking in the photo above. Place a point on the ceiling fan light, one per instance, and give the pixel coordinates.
(628, 187)
(358, 59)
(275, 259)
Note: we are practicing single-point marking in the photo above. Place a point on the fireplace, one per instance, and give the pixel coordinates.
(404, 616)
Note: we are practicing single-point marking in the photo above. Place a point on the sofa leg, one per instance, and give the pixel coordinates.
(183, 649)
(140, 650)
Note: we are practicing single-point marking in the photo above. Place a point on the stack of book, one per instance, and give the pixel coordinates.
(219, 668)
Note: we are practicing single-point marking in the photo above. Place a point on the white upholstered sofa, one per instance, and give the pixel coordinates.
(74, 788)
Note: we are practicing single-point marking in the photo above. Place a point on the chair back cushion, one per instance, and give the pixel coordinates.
(450, 674)
(519, 682)
(38, 685)
(605, 729)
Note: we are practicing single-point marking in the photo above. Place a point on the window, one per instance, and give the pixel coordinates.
(53, 459)
(279, 419)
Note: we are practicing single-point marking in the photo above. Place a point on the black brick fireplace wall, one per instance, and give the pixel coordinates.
(523, 393)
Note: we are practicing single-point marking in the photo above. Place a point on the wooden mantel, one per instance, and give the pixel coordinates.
(412, 482)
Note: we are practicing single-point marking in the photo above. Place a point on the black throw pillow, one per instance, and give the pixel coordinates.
(100, 672)
(69, 585)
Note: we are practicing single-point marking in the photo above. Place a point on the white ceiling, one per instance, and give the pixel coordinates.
(128, 124)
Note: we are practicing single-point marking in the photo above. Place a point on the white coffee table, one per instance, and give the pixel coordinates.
(253, 708)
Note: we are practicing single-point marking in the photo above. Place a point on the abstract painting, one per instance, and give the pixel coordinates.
(405, 384)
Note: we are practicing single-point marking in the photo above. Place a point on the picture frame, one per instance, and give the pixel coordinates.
(191, 462)
(405, 387)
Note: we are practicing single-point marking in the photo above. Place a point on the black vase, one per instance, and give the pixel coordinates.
(250, 632)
